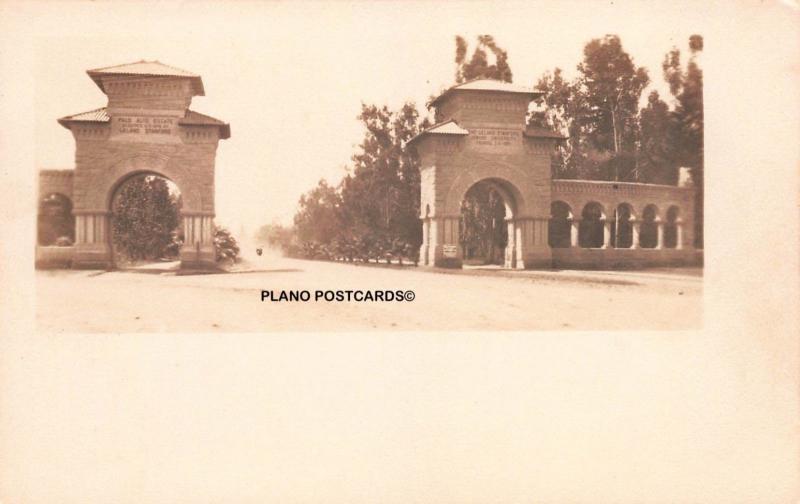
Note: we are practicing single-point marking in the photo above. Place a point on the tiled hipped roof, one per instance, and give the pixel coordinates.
(146, 68)
(449, 127)
(191, 118)
(486, 85)
(143, 67)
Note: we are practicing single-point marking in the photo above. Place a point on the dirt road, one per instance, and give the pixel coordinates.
(81, 301)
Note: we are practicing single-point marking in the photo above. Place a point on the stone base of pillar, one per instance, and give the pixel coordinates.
(424, 259)
(198, 257)
(509, 261)
(536, 258)
(92, 256)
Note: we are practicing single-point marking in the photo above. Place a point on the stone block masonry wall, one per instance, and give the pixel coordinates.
(101, 165)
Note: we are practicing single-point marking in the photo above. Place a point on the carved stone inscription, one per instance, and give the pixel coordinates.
(145, 125)
(494, 139)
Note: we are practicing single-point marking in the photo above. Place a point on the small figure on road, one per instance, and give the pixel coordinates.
(259, 251)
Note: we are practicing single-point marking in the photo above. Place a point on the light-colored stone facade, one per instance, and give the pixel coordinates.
(481, 137)
(146, 128)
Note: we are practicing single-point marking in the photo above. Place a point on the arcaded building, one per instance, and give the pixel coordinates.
(481, 137)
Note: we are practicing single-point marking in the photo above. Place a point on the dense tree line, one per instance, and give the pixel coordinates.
(374, 212)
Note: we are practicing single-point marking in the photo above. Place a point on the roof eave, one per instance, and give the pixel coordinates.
(197, 81)
(425, 133)
(446, 93)
(68, 120)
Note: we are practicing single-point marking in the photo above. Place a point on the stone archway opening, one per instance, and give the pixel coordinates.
(671, 238)
(622, 226)
(559, 230)
(55, 222)
(648, 236)
(483, 230)
(486, 225)
(591, 232)
(145, 222)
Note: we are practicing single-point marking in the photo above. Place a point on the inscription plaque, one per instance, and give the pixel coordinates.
(450, 251)
(494, 138)
(145, 125)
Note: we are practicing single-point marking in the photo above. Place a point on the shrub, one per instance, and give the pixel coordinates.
(225, 246)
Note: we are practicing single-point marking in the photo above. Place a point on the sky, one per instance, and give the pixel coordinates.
(290, 78)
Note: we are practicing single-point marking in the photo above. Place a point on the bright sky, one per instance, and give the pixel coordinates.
(290, 78)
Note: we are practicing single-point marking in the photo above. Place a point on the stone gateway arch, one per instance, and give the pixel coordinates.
(481, 137)
(147, 127)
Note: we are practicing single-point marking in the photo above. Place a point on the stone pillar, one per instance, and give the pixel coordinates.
(636, 227)
(444, 237)
(606, 233)
(532, 248)
(679, 234)
(510, 261)
(198, 240)
(92, 240)
(574, 232)
(660, 243)
(425, 247)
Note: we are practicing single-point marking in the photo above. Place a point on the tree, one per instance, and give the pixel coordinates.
(318, 219)
(380, 195)
(145, 218)
(560, 108)
(598, 111)
(657, 150)
(478, 66)
(613, 85)
(687, 88)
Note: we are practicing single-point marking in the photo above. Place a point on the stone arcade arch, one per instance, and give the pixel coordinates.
(146, 127)
(55, 221)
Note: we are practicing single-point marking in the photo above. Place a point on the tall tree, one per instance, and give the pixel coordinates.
(318, 218)
(598, 111)
(613, 85)
(560, 108)
(478, 66)
(657, 153)
(381, 194)
(686, 85)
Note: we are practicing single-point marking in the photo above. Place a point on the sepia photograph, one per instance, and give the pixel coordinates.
(427, 251)
(492, 174)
